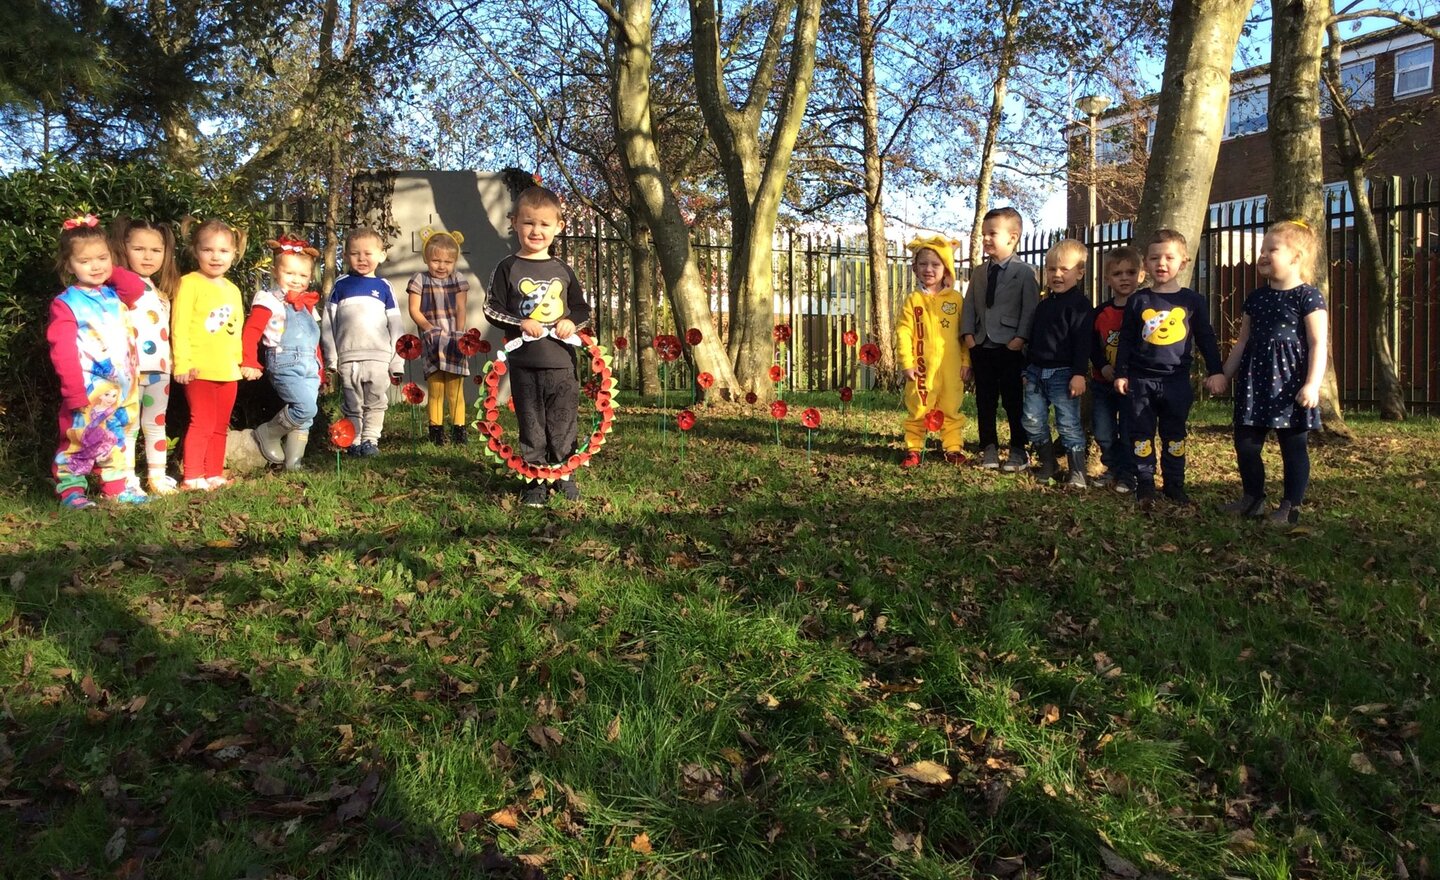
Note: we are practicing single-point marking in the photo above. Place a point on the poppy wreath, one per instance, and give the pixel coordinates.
(506, 459)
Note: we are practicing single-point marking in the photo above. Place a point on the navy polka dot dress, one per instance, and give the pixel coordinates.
(1276, 359)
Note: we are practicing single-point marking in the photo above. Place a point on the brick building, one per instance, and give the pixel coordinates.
(1386, 73)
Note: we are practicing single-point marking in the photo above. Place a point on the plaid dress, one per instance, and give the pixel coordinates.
(437, 304)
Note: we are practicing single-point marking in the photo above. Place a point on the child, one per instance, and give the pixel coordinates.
(1058, 359)
(362, 325)
(1109, 418)
(205, 337)
(999, 309)
(289, 325)
(437, 305)
(537, 297)
(931, 355)
(1279, 369)
(95, 360)
(1163, 324)
(148, 250)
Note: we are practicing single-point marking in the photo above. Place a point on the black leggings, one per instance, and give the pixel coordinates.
(1294, 455)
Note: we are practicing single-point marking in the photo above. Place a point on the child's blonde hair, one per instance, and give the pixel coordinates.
(214, 226)
(167, 277)
(441, 241)
(1300, 237)
(1164, 236)
(1067, 247)
(361, 233)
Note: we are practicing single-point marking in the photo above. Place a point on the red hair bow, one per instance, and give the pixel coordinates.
(83, 220)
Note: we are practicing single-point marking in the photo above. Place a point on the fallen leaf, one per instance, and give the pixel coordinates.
(641, 844)
(115, 846)
(612, 730)
(927, 772)
(1049, 715)
(1361, 764)
(505, 818)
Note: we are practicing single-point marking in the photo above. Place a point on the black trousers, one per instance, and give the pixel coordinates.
(1162, 403)
(1294, 457)
(546, 405)
(997, 380)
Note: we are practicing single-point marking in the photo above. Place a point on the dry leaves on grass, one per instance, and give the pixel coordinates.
(927, 772)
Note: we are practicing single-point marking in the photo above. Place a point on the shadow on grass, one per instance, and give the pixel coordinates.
(362, 682)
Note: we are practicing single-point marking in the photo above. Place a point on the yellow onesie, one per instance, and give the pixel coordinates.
(928, 332)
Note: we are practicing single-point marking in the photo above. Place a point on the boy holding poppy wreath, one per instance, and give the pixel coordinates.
(931, 355)
(536, 297)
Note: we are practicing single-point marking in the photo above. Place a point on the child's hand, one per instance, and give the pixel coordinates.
(564, 328)
(909, 374)
(1309, 396)
(1108, 372)
(967, 375)
(1122, 385)
(1077, 386)
(532, 328)
(969, 341)
(1015, 343)
(251, 372)
(184, 378)
(1217, 383)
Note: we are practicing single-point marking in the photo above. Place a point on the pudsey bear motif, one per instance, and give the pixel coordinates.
(1163, 328)
(544, 300)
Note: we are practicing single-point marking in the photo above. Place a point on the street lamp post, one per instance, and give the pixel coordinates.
(1092, 106)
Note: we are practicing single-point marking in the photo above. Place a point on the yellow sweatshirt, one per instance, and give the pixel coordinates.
(206, 319)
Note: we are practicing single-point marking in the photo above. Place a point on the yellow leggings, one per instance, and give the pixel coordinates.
(446, 389)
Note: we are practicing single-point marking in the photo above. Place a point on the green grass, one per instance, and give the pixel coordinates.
(357, 676)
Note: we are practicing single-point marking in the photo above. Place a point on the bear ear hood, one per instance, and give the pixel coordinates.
(943, 247)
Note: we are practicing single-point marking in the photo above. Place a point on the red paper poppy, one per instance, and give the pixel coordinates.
(499, 370)
(779, 409)
(705, 380)
(810, 418)
(621, 343)
(693, 336)
(408, 346)
(413, 394)
(685, 419)
(869, 354)
(342, 433)
(934, 420)
(667, 347)
(479, 379)
(847, 394)
(751, 397)
(782, 333)
(468, 345)
(849, 337)
(777, 373)
(484, 346)
(591, 389)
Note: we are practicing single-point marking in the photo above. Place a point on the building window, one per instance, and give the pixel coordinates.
(1357, 84)
(1112, 146)
(1149, 137)
(1247, 113)
(1414, 69)
(1340, 205)
(1239, 213)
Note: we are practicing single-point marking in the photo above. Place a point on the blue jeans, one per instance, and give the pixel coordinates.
(296, 378)
(1110, 422)
(1046, 388)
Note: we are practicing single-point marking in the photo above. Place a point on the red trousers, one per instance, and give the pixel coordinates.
(210, 406)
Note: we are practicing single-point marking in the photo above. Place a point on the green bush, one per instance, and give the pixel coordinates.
(34, 202)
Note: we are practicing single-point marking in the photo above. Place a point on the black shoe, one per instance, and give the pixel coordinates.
(1284, 516)
(1145, 495)
(535, 494)
(1246, 507)
(457, 435)
(567, 489)
(1125, 485)
(1176, 495)
(1016, 462)
(990, 458)
(437, 435)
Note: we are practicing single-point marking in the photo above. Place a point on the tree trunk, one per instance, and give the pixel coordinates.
(992, 128)
(654, 196)
(332, 220)
(883, 322)
(1374, 269)
(1296, 32)
(754, 183)
(1189, 122)
(644, 268)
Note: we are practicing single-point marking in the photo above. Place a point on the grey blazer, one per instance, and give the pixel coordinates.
(1016, 295)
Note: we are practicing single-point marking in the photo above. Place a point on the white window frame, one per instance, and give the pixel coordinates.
(1263, 93)
(1428, 66)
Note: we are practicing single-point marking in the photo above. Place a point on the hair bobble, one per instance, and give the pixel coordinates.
(1301, 223)
(76, 222)
(286, 244)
